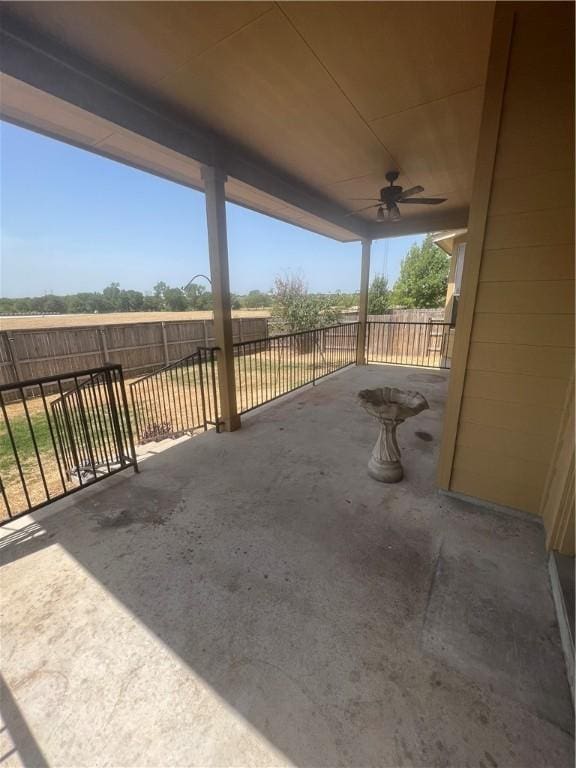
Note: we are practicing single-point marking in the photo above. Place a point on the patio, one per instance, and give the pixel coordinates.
(255, 599)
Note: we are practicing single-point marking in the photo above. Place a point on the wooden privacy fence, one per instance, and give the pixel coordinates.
(409, 343)
(137, 347)
(401, 315)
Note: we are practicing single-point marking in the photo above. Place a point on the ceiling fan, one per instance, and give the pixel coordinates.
(392, 196)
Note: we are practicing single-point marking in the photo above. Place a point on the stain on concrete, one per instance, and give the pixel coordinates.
(426, 378)
(115, 518)
(426, 436)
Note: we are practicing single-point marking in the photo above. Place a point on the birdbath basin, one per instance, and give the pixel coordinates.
(390, 406)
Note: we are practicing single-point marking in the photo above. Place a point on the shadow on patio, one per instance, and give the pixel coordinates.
(255, 599)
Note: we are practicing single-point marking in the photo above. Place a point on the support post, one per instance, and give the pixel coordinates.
(363, 305)
(18, 375)
(214, 181)
(104, 345)
(165, 343)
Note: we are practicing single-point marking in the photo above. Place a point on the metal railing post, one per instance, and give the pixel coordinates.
(127, 418)
(314, 345)
(114, 415)
(217, 421)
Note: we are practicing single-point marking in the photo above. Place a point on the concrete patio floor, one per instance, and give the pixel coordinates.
(255, 599)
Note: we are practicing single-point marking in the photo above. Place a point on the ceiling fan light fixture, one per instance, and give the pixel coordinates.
(390, 197)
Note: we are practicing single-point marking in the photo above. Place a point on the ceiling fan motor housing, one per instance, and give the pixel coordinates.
(389, 195)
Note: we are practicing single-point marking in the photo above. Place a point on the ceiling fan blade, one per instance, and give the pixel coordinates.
(411, 191)
(424, 200)
(373, 199)
(352, 213)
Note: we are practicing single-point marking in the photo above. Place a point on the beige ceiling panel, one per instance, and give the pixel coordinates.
(22, 102)
(391, 56)
(333, 94)
(243, 194)
(253, 197)
(46, 113)
(141, 151)
(139, 41)
(264, 88)
(322, 227)
(436, 143)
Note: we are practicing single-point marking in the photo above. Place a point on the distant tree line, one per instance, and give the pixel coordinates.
(422, 283)
(163, 298)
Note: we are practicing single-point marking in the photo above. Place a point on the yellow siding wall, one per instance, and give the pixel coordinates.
(558, 497)
(457, 241)
(521, 347)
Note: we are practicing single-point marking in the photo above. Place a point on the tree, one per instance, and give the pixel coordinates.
(294, 309)
(152, 304)
(54, 304)
(379, 298)
(134, 299)
(423, 276)
(256, 300)
(160, 293)
(175, 300)
(198, 297)
(345, 300)
(112, 294)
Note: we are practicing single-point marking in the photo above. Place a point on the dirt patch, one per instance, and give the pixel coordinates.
(115, 318)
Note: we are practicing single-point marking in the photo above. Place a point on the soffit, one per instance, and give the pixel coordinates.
(334, 94)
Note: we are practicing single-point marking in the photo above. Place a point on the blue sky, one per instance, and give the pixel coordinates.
(72, 221)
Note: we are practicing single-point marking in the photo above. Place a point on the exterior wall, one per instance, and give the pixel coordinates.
(557, 507)
(451, 275)
(519, 356)
(448, 308)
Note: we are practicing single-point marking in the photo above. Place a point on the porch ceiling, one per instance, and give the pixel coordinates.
(305, 105)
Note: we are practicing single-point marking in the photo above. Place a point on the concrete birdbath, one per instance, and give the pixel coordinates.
(391, 407)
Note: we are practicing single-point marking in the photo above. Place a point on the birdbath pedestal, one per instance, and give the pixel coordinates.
(390, 406)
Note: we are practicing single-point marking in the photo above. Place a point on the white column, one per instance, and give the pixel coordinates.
(363, 305)
(214, 181)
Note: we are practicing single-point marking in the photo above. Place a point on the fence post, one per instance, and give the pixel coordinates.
(205, 333)
(14, 358)
(165, 343)
(104, 344)
(428, 339)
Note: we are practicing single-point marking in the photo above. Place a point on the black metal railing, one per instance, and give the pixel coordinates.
(59, 434)
(269, 368)
(176, 399)
(409, 343)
